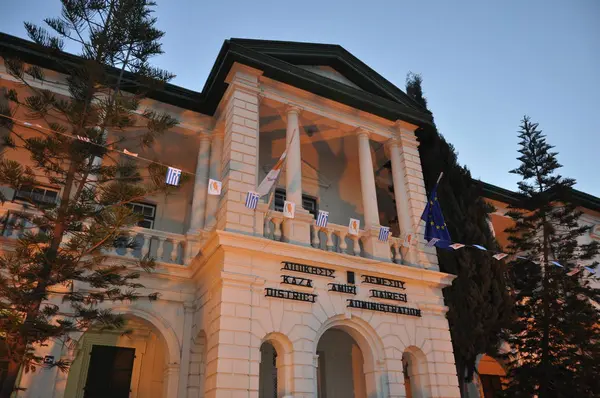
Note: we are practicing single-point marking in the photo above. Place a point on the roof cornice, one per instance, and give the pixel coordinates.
(509, 197)
(389, 102)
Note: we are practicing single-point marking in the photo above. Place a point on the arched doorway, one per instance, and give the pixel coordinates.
(416, 376)
(117, 364)
(340, 372)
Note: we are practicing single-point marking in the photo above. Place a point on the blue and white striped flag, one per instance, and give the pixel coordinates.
(173, 176)
(322, 218)
(252, 200)
(384, 234)
(480, 247)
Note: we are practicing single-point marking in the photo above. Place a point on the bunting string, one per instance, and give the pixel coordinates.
(437, 237)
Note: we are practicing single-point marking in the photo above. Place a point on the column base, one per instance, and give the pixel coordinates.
(374, 248)
(297, 230)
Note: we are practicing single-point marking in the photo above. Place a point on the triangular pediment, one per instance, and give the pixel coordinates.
(332, 62)
(330, 73)
(327, 70)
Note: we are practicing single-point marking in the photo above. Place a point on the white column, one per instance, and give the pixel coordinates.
(212, 202)
(293, 167)
(367, 180)
(296, 230)
(402, 199)
(200, 185)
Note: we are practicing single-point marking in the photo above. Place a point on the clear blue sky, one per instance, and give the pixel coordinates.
(484, 63)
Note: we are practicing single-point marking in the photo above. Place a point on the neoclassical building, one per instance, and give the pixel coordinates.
(254, 304)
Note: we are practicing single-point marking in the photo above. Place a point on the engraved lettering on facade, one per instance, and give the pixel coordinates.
(297, 281)
(290, 295)
(394, 309)
(376, 280)
(308, 269)
(382, 294)
(336, 287)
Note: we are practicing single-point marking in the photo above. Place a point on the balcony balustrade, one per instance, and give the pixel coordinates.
(164, 247)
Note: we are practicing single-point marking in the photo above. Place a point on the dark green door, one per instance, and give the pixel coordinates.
(109, 373)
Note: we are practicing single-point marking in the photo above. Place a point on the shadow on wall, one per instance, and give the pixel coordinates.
(177, 148)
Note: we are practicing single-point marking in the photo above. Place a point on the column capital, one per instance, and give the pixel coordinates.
(361, 131)
(393, 141)
(188, 307)
(205, 136)
(405, 128)
(217, 134)
(292, 108)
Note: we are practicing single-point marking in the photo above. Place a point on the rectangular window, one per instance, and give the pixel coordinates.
(39, 195)
(308, 202)
(147, 211)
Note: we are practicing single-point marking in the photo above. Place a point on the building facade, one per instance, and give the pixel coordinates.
(491, 372)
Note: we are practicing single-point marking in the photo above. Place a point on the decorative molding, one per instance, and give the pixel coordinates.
(307, 255)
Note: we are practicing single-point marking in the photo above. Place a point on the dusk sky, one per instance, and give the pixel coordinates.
(485, 64)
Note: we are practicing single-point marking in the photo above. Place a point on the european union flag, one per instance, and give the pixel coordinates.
(435, 227)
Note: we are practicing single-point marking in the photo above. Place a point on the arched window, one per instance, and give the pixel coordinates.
(416, 376)
(267, 382)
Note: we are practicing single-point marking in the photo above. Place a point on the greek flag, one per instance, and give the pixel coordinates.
(252, 200)
(322, 218)
(173, 176)
(384, 234)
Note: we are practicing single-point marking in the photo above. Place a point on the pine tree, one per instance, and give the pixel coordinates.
(555, 339)
(70, 141)
(479, 306)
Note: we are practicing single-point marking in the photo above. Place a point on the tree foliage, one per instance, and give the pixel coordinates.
(57, 277)
(555, 338)
(479, 306)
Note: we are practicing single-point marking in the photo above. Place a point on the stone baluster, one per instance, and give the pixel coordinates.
(356, 248)
(174, 250)
(277, 232)
(161, 248)
(397, 255)
(146, 245)
(316, 241)
(267, 229)
(329, 233)
(342, 241)
(130, 251)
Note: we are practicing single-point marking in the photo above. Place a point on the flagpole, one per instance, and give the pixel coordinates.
(274, 187)
(439, 178)
(418, 224)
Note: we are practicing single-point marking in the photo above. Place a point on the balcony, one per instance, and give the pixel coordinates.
(332, 238)
(164, 247)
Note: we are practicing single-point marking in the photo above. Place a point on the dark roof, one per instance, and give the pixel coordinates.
(580, 198)
(279, 61)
